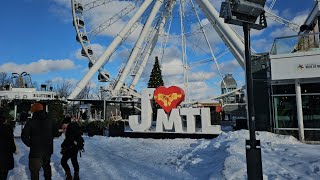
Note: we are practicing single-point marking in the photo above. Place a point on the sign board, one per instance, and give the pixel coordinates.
(295, 66)
(170, 118)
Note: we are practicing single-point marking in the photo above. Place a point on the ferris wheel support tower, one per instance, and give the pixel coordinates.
(229, 37)
(138, 44)
(160, 31)
(224, 30)
(112, 47)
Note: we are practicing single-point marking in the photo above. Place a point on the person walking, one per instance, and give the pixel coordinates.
(38, 134)
(72, 143)
(7, 148)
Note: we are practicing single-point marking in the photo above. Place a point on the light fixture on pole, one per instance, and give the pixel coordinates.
(245, 13)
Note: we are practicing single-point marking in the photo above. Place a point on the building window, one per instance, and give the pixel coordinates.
(285, 112)
(284, 89)
(311, 111)
(312, 135)
(310, 88)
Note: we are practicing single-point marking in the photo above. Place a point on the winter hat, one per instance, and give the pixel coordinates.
(36, 107)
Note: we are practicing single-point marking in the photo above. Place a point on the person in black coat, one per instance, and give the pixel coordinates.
(72, 143)
(38, 134)
(7, 148)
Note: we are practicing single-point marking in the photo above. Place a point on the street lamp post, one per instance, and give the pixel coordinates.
(245, 13)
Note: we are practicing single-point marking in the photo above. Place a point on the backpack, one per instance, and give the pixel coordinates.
(75, 131)
(80, 143)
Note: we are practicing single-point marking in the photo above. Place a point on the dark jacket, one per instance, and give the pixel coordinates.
(73, 141)
(38, 134)
(7, 147)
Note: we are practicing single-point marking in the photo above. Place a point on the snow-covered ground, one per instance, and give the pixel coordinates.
(221, 158)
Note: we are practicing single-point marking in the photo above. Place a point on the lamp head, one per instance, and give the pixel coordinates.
(239, 12)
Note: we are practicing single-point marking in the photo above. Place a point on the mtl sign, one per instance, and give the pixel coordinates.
(170, 117)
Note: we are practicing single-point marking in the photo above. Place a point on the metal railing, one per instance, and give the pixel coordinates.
(297, 43)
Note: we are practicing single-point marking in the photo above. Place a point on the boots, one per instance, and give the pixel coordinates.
(68, 175)
(76, 176)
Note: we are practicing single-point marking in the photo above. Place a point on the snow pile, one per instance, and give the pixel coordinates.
(221, 158)
(235, 164)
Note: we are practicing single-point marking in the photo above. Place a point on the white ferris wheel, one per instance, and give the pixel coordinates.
(178, 32)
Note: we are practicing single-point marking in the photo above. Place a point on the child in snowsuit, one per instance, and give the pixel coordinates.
(70, 146)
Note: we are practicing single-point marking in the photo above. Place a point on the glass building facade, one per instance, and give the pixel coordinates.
(285, 110)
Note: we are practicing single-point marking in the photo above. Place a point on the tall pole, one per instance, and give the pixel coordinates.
(249, 82)
(253, 150)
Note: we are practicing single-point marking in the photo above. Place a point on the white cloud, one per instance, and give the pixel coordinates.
(228, 66)
(173, 67)
(262, 45)
(62, 9)
(301, 18)
(121, 55)
(197, 42)
(200, 76)
(169, 62)
(39, 67)
(61, 79)
(198, 90)
(285, 31)
(281, 32)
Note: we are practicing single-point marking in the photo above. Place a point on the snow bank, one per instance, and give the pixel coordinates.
(221, 158)
(283, 157)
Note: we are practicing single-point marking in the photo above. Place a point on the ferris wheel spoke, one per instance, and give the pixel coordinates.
(159, 31)
(272, 4)
(201, 74)
(138, 44)
(147, 45)
(207, 60)
(165, 38)
(106, 24)
(293, 26)
(94, 4)
(208, 43)
(111, 48)
(143, 52)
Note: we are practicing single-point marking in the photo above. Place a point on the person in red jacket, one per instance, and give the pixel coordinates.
(38, 134)
(7, 148)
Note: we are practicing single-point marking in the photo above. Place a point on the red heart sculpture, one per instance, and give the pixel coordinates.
(168, 98)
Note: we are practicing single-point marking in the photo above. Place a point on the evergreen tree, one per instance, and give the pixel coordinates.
(154, 82)
(56, 113)
(155, 76)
